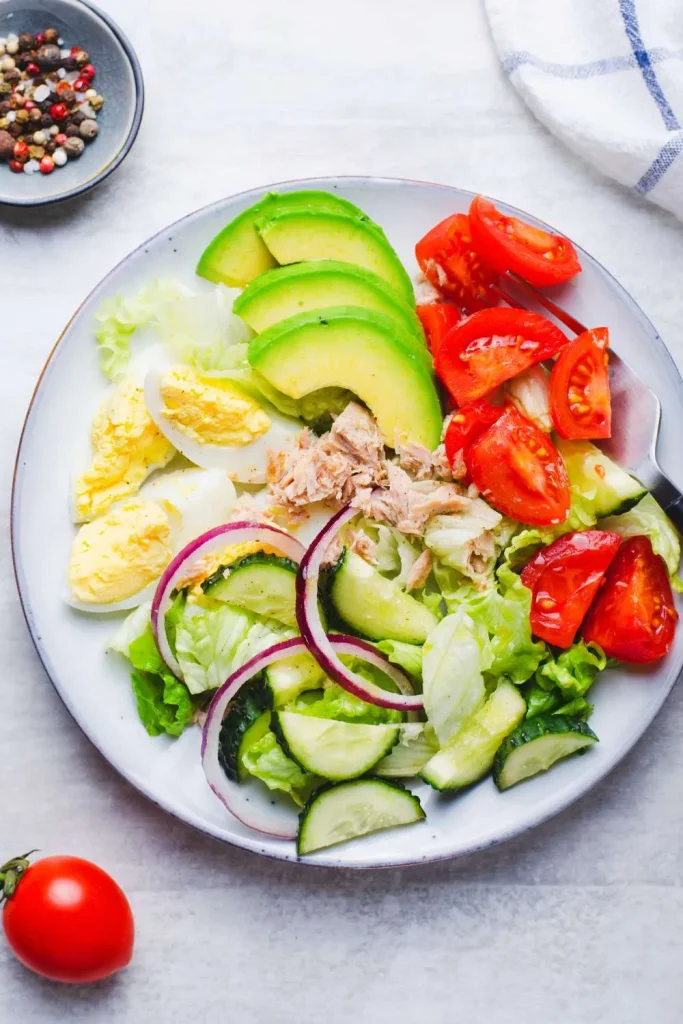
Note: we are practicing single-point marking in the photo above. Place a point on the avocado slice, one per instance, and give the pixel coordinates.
(236, 254)
(358, 349)
(297, 235)
(299, 287)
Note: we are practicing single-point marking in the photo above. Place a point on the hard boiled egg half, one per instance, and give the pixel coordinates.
(214, 423)
(117, 558)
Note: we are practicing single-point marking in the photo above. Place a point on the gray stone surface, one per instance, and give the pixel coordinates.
(578, 921)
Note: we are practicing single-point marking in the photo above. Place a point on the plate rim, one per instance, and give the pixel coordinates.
(189, 817)
(126, 145)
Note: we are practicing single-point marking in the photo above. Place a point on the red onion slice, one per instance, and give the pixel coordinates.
(258, 810)
(208, 543)
(320, 645)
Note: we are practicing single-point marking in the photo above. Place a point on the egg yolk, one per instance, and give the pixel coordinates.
(120, 553)
(128, 446)
(211, 411)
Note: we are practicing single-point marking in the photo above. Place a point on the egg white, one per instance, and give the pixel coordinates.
(243, 463)
(195, 500)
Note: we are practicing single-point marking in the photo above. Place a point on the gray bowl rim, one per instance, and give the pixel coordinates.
(80, 190)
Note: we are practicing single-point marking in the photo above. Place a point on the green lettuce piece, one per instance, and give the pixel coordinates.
(336, 702)
(456, 654)
(649, 519)
(407, 656)
(538, 700)
(522, 548)
(119, 316)
(573, 671)
(577, 708)
(163, 702)
(501, 608)
(202, 330)
(266, 760)
(213, 639)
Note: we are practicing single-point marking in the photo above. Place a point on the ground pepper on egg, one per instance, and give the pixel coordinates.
(211, 411)
(45, 89)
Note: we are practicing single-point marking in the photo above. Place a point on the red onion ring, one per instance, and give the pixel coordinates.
(319, 644)
(256, 810)
(206, 544)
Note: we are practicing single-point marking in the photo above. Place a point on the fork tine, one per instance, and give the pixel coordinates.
(560, 314)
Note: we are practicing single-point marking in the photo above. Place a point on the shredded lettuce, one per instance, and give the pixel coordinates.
(202, 329)
(464, 540)
(119, 316)
(266, 760)
(213, 639)
(529, 392)
(395, 553)
(522, 548)
(456, 654)
(649, 519)
(573, 671)
(336, 702)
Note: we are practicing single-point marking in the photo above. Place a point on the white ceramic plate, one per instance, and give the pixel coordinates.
(95, 688)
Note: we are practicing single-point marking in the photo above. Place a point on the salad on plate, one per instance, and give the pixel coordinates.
(358, 529)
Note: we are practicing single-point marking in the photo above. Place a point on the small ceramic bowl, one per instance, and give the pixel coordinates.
(119, 80)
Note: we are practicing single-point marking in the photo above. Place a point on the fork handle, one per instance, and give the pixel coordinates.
(670, 498)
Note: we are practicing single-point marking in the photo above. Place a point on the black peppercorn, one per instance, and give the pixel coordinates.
(38, 80)
(72, 130)
(45, 121)
(4, 108)
(77, 117)
(50, 147)
(27, 41)
(46, 105)
(51, 35)
(67, 96)
(69, 64)
(15, 129)
(12, 76)
(49, 56)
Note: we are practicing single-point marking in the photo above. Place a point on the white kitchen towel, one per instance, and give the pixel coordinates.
(605, 76)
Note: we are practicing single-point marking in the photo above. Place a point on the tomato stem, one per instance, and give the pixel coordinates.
(11, 873)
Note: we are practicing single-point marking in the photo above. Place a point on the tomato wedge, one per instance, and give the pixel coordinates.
(507, 243)
(467, 424)
(437, 319)
(449, 261)
(563, 579)
(579, 388)
(492, 346)
(633, 617)
(519, 471)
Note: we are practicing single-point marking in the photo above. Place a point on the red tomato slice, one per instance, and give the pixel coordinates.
(492, 346)
(520, 472)
(579, 388)
(633, 617)
(563, 579)
(450, 263)
(507, 243)
(467, 424)
(437, 319)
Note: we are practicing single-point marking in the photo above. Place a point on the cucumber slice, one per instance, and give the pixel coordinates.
(249, 708)
(605, 487)
(351, 809)
(537, 744)
(334, 750)
(469, 756)
(417, 744)
(292, 676)
(374, 606)
(259, 582)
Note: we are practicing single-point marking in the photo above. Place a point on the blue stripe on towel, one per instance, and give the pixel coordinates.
(589, 69)
(630, 18)
(660, 165)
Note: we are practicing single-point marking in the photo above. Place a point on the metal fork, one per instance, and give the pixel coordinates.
(636, 410)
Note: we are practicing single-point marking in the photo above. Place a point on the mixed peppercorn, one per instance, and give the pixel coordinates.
(48, 105)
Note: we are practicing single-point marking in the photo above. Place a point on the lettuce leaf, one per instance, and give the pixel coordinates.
(336, 702)
(456, 654)
(538, 700)
(577, 708)
(465, 540)
(573, 671)
(649, 519)
(407, 656)
(529, 392)
(119, 316)
(163, 702)
(522, 548)
(266, 760)
(213, 639)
